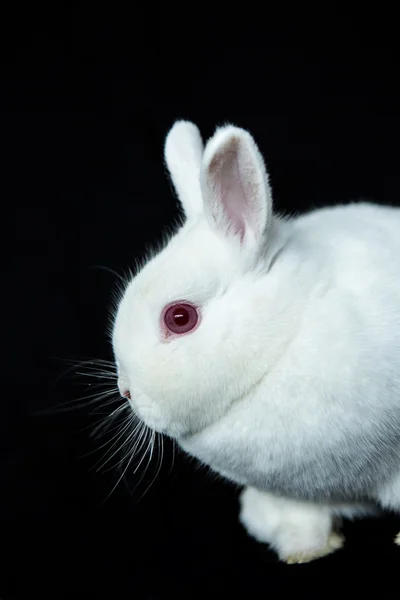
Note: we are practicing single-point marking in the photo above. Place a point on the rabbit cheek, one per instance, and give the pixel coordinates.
(148, 412)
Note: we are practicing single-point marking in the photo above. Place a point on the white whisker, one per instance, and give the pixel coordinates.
(140, 441)
(122, 460)
(144, 453)
(173, 457)
(128, 437)
(121, 431)
(102, 375)
(159, 464)
(121, 477)
(106, 422)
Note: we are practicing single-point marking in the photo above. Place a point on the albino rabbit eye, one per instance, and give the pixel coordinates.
(181, 318)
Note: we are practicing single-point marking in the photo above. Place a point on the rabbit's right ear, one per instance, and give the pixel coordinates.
(183, 153)
(236, 192)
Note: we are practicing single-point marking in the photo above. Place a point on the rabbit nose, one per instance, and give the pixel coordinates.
(123, 386)
(126, 394)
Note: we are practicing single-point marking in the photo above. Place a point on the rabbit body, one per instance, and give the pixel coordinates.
(324, 422)
(287, 381)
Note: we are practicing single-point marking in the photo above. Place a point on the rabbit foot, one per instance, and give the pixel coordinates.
(298, 532)
(397, 539)
(335, 542)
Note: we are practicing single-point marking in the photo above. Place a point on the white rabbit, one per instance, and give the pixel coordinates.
(269, 348)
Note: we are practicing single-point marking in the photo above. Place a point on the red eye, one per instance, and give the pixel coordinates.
(181, 318)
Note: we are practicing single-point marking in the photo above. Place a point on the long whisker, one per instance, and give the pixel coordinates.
(116, 437)
(136, 444)
(121, 477)
(84, 401)
(125, 456)
(106, 423)
(152, 447)
(97, 374)
(103, 371)
(121, 427)
(88, 363)
(173, 457)
(140, 442)
(119, 409)
(117, 429)
(159, 465)
(144, 453)
(109, 270)
(130, 436)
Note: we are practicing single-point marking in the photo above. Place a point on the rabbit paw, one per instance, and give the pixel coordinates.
(397, 539)
(335, 541)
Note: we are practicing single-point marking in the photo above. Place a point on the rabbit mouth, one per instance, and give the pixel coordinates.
(147, 411)
(140, 404)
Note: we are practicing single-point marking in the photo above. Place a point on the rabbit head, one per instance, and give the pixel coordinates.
(190, 331)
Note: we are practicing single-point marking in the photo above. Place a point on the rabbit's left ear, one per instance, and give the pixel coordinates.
(183, 153)
(236, 192)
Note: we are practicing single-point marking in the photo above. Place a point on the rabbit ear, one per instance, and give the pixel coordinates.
(183, 153)
(236, 192)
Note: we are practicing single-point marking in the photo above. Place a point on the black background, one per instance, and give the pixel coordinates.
(87, 97)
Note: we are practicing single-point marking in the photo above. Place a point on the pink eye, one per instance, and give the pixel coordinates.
(181, 318)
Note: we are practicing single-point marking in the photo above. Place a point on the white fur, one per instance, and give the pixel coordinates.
(291, 383)
(289, 527)
(233, 174)
(389, 493)
(183, 153)
(293, 527)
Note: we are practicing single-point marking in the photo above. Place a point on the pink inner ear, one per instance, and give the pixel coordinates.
(230, 190)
